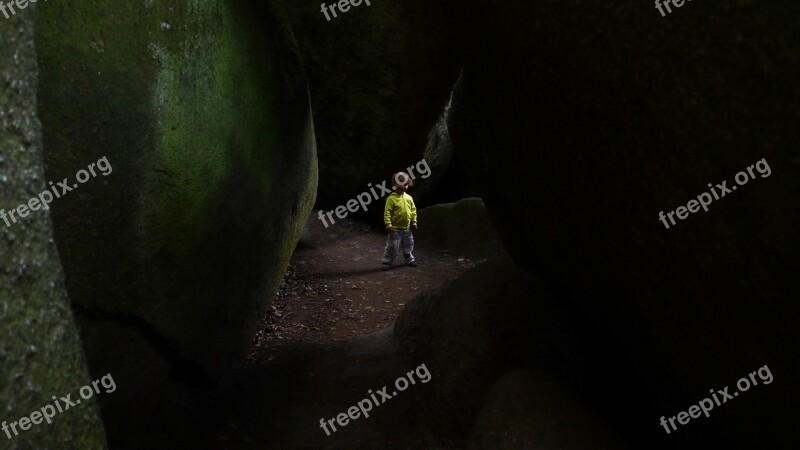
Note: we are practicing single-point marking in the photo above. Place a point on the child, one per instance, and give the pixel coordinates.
(399, 216)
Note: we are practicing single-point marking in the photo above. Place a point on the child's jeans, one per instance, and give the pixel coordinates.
(396, 238)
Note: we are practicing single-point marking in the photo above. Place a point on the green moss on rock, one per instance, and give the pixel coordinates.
(40, 353)
(202, 110)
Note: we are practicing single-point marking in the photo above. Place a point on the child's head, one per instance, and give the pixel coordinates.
(401, 181)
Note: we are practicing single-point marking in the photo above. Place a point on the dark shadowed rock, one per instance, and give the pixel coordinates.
(492, 319)
(380, 76)
(582, 121)
(447, 181)
(463, 227)
(201, 108)
(532, 410)
(40, 353)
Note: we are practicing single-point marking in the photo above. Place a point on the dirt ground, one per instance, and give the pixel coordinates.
(334, 289)
(301, 367)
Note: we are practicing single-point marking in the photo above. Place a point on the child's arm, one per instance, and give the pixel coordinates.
(387, 214)
(412, 214)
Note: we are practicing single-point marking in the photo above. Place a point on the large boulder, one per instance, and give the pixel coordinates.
(200, 109)
(463, 227)
(535, 411)
(40, 352)
(582, 123)
(448, 180)
(380, 76)
(493, 318)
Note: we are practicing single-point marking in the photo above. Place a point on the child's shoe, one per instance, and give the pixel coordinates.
(410, 260)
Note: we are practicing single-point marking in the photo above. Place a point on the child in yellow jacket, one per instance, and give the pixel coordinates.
(400, 217)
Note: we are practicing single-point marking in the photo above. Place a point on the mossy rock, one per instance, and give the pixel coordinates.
(202, 110)
(40, 352)
(464, 227)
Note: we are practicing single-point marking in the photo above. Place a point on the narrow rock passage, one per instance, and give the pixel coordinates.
(305, 363)
(323, 345)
